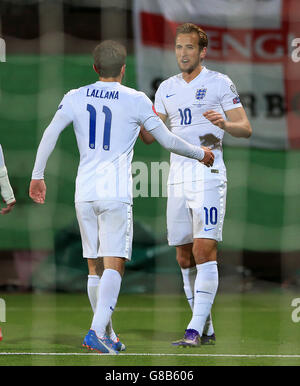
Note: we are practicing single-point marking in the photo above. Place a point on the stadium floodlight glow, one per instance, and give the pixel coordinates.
(2, 311)
(2, 50)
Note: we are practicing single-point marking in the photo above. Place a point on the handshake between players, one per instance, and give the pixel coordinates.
(208, 159)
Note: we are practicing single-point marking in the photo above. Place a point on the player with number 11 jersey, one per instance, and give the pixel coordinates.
(106, 117)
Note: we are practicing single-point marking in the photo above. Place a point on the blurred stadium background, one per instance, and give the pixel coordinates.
(48, 52)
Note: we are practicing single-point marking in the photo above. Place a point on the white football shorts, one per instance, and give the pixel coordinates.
(196, 210)
(106, 228)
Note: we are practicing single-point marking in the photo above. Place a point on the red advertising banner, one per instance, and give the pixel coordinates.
(254, 42)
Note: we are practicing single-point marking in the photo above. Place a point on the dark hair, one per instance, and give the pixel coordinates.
(188, 28)
(109, 57)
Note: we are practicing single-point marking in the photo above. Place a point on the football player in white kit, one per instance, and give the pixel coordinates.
(6, 193)
(6, 189)
(200, 104)
(106, 117)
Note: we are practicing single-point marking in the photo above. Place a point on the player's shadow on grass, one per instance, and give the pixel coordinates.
(68, 340)
(45, 342)
(152, 335)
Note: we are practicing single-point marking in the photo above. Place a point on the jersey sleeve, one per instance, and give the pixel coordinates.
(147, 116)
(61, 119)
(2, 163)
(158, 102)
(5, 187)
(175, 144)
(229, 97)
(65, 106)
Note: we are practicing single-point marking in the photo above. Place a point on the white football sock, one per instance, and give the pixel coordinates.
(189, 277)
(110, 331)
(206, 285)
(108, 292)
(92, 289)
(209, 327)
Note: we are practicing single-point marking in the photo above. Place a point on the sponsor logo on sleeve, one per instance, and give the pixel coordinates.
(233, 89)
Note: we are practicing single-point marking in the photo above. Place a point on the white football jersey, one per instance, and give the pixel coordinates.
(2, 163)
(184, 104)
(106, 117)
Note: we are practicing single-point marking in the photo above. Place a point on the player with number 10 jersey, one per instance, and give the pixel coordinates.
(184, 104)
(200, 105)
(190, 183)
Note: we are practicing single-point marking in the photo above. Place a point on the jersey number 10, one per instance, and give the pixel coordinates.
(107, 126)
(211, 216)
(186, 116)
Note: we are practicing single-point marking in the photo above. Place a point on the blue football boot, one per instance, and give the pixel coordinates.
(118, 345)
(100, 345)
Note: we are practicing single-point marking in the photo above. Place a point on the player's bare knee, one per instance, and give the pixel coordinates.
(99, 266)
(92, 266)
(116, 263)
(204, 253)
(202, 259)
(183, 261)
(184, 256)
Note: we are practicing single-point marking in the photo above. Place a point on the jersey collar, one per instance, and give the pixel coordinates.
(199, 76)
(102, 84)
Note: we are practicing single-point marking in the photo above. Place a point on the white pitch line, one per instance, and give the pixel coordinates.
(153, 354)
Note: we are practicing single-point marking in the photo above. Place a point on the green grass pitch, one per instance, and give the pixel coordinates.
(251, 329)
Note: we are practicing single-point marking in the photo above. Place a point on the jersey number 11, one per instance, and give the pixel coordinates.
(107, 126)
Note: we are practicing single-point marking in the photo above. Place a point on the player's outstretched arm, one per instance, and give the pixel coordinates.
(145, 136)
(237, 124)
(177, 145)
(37, 191)
(6, 189)
(37, 188)
(154, 125)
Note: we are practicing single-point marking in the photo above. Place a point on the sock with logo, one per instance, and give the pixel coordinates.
(205, 289)
(189, 277)
(108, 292)
(92, 290)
